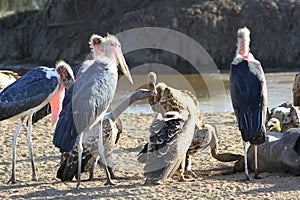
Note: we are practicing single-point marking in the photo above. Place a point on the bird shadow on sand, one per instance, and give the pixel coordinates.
(90, 192)
(280, 182)
(37, 159)
(130, 149)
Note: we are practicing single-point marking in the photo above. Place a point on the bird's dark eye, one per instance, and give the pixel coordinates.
(96, 41)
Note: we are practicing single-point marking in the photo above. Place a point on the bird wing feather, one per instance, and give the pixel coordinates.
(27, 92)
(169, 142)
(249, 99)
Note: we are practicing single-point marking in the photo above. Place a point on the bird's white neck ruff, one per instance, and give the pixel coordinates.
(110, 63)
(239, 58)
(104, 59)
(51, 73)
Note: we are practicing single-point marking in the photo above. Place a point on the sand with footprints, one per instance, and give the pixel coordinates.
(130, 184)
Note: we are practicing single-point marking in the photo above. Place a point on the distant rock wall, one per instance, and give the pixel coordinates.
(62, 30)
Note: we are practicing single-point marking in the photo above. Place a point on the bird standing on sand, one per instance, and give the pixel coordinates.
(30, 93)
(92, 94)
(168, 99)
(249, 96)
(112, 128)
(172, 130)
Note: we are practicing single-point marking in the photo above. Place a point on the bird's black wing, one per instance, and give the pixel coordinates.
(46, 110)
(43, 112)
(168, 144)
(249, 99)
(27, 92)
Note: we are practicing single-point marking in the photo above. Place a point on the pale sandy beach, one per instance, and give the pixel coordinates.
(130, 185)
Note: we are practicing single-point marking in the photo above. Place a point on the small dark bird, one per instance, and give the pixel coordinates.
(30, 93)
(249, 96)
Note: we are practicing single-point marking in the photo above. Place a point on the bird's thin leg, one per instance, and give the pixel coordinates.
(80, 150)
(256, 174)
(61, 158)
(14, 144)
(91, 176)
(188, 167)
(101, 152)
(111, 172)
(30, 146)
(182, 171)
(246, 162)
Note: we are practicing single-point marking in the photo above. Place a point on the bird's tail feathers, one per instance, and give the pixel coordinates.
(69, 166)
(252, 127)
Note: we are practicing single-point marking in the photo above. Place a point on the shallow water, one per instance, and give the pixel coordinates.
(212, 90)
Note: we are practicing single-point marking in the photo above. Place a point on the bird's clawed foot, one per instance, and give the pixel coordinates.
(34, 178)
(109, 175)
(12, 180)
(186, 179)
(257, 176)
(247, 177)
(191, 174)
(109, 182)
(150, 181)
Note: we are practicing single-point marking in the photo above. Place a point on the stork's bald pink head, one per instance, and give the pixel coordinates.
(243, 42)
(111, 47)
(65, 72)
(95, 42)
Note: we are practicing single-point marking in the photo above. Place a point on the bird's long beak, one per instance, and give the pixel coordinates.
(123, 65)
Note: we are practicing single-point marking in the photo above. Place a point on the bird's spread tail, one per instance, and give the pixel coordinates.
(252, 127)
(69, 166)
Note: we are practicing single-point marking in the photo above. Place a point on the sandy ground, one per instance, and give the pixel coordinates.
(130, 185)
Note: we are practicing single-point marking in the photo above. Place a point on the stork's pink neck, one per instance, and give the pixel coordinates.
(98, 52)
(56, 104)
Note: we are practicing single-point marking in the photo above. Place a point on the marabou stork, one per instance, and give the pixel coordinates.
(89, 99)
(30, 93)
(249, 96)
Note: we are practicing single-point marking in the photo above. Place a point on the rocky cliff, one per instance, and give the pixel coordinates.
(62, 30)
